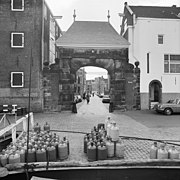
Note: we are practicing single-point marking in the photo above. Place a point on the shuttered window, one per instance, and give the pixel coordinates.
(17, 40)
(17, 5)
(17, 79)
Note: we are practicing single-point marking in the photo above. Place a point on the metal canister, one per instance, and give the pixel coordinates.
(51, 153)
(153, 151)
(46, 127)
(102, 152)
(119, 152)
(4, 158)
(162, 152)
(41, 155)
(62, 151)
(91, 152)
(14, 158)
(110, 148)
(173, 153)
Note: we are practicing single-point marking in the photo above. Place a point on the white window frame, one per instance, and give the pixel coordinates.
(12, 35)
(161, 35)
(169, 65)
(22, 84)
(12, 6)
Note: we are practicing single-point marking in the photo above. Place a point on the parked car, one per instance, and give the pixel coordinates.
(106, 99)
(172, 106)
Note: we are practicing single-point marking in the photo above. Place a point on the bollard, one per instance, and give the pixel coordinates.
(74, 108)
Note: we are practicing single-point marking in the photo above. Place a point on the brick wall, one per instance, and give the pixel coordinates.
(18, 59)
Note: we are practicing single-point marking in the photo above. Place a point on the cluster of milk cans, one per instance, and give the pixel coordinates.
(103, 142)
(163, 151)
(43, 146)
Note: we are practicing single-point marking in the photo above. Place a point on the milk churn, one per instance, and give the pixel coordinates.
(51, 153)
(153, 151)
(41, 155)
(62, 151)
(114, 132)
(65, 140)
(4, 158)
(119, 152)
(37, 128)
(14, 158)
(91, 152)
(46, 127)
(110, 148)
(162, 152)
(173, 153)
(31, 155)
(102, 152)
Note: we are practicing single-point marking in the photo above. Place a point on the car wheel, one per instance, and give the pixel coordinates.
(168, 111)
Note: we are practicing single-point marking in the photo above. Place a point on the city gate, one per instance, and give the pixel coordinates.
(88, 43)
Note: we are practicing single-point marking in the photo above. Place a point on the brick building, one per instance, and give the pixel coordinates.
(28, 33)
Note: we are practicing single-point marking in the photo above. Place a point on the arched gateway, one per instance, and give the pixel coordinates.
(89, 43)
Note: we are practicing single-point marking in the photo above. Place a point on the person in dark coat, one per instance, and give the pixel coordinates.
(88, 98)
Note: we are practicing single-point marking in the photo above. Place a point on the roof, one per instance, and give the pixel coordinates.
(92, 34)
(156, 12)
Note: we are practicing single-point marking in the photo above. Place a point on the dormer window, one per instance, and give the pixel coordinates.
(17, 5)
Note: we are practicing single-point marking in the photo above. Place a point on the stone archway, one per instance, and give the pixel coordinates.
(90, 43)
(155, 92)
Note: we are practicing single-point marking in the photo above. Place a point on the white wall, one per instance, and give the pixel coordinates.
(144, 36)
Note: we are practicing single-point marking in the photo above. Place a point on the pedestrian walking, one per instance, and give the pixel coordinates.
(88, 98)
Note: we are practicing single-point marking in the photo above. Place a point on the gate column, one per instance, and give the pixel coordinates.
(66, 84)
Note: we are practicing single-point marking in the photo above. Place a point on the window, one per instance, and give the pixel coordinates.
(147, 62)
(160, 39)
(17, 5)
(171, 63)
(17, 40)
(17, 79)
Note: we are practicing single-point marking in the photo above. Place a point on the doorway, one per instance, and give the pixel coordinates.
(155, 93)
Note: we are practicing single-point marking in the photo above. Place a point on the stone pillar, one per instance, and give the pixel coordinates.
(137, 86)
(118, 84)
(51, 76)
(66, 89)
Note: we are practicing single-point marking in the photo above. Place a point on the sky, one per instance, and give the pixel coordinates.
(97, 10)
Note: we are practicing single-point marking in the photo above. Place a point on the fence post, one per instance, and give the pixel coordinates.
(13, 130)
(25, 123)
